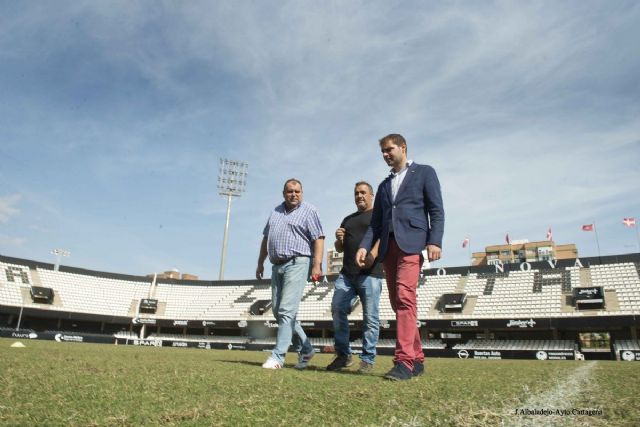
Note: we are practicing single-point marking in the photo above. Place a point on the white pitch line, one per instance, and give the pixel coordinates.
(561, 397)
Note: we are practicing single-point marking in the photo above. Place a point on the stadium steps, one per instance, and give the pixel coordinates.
(611, 302)
(133, 308)
(566, 304)
(162, 307)
(135, 303)
(35, 277)
(469, 305)
(25, 293)
(356, 311)
(585, 278)
(461, 285)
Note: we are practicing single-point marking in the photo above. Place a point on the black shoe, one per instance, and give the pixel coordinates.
(340, 362)
(418, 369)
(400, 372)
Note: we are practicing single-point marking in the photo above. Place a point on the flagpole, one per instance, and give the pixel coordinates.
(595, 229)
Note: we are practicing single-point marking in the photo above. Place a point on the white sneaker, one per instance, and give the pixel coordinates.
(271, 363)
(303, 359)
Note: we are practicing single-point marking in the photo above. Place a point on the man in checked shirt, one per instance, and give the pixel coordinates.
(293, 239)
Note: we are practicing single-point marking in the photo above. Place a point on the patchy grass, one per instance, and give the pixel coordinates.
(50, 383)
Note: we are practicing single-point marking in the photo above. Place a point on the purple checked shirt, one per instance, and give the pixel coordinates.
(291, 234)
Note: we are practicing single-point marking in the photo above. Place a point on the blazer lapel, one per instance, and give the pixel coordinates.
(387, 189)
(411, 171)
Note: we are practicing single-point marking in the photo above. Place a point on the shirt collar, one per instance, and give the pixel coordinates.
(394, 173)
(284, 207)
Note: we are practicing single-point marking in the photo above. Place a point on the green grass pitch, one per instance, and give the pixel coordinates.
(68, 384)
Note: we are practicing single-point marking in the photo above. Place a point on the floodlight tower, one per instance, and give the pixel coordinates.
(59, 253)
(232, 180)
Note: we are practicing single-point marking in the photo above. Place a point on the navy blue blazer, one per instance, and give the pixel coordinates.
(417, 213)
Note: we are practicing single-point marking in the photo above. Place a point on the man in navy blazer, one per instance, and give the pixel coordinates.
(408, 217)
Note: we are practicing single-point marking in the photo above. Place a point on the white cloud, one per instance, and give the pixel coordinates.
(528, 111)
(7, 207)
(11, 241)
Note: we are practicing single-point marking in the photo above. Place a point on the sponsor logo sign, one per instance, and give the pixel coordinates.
(521, 323)
(630, 355)
(237, 347)
(68, 338)
(270, 324)
(242, 324)
(179, 344)
(464, 323)
(143, 321)
(208, 323)
(148, 343)
(180, 322)
(463, 354)
(541, 355)
(487, 354)
(30, 335)
(560, 355)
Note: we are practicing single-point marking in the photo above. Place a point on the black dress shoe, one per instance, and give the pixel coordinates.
(418, 369)
(399, 373)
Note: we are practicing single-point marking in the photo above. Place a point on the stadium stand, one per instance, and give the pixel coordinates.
(429, 293)
(90, 294)
(12, 278)
(627, 345)
(528, 307)
(623, 280)
(518, 293)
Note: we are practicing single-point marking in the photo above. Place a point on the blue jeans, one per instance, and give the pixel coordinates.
(368, 289)
(287, 287)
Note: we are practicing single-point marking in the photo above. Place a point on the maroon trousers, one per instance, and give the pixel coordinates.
(402, 271)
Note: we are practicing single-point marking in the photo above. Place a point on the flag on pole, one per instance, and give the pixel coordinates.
(587, 227)
(629, 222)
(549, 234)
(506, 238)
(465, 242)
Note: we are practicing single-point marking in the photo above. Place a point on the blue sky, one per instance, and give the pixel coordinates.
(113, 116)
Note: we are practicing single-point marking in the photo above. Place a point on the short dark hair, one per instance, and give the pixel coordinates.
(364, 183)
(284, 188)
(394, 138)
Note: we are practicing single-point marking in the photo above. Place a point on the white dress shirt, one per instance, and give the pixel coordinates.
(397, 178)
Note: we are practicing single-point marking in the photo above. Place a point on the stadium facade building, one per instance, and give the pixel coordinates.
(520, 251)
(173, 274)
(334, 261)
(557, 309)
